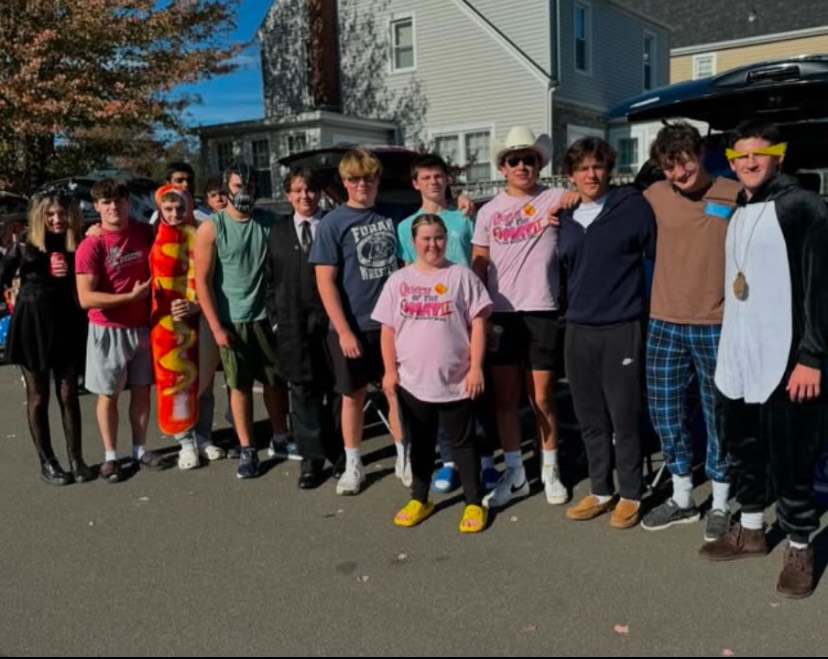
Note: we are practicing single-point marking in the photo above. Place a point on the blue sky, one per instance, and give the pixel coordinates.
(236, 96)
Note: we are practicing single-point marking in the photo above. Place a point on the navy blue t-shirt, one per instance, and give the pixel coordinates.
(363, 245)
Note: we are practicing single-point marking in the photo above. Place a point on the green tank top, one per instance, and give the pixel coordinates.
(241, 251)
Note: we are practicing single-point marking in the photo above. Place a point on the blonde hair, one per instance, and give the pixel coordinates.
(359, 162)
(37, 220)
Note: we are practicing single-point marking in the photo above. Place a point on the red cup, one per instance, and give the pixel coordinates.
(58, 264)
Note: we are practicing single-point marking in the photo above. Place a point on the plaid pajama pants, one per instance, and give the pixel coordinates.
(674, 354)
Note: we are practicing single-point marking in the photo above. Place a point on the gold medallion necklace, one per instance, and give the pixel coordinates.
(740, 285)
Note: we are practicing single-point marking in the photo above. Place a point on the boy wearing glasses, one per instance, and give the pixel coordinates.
(515, 254)
(355, 251)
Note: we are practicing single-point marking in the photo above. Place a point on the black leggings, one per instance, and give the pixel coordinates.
(420, 421)
(37, 406)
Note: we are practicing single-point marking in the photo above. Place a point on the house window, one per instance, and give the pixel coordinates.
(296, 142)
(648, 62)
(583, 34)
(478, 156)
(224, 151)
(704, 65)
(627, 155)
(448, 146)
(260, 151)
(402, 44)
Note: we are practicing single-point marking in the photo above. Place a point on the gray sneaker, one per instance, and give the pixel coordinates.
(669, 514)
(351, 481)
(718, 524)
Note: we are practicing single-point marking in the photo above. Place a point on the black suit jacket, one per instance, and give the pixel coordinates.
(295, 308)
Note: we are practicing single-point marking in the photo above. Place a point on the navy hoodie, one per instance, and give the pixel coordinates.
(604, 263)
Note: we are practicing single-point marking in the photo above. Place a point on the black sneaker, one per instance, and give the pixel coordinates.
(248, 463)
(718, 524)
(668, 514)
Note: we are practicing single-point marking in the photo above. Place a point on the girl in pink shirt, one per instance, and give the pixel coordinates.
(433, 315)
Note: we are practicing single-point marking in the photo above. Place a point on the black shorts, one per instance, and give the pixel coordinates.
(533, 339)
(352, 375)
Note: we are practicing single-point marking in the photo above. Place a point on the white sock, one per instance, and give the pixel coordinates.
(138, 451)
(513, 460)
(683, 491)
(602, 499)
(487, 462)
(721, 493)
(111, 456)
(400, 449)
(550, 458)
(352, 457)
(753, 521)
(797, 545)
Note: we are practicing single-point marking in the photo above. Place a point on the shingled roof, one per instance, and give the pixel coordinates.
(696, 22)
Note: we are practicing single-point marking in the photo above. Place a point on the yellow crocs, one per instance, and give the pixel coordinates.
(474, 520)
(413, 513)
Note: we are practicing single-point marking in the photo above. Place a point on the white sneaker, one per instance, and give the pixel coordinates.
(211, 452)
(351, 481)
(402, 467)
(188, 456)
(556, 493)
(512, 485)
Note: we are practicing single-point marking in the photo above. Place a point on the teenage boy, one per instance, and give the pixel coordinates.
(113, 280)
(692, 209)
(231, 250)
(355, 251)
(772, 353)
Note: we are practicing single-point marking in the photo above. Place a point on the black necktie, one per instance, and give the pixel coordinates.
(307, 237)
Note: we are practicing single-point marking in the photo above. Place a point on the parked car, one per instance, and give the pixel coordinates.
(141, 193)
(789, 92)
(396, 199)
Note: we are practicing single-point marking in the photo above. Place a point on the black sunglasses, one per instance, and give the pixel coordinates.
(528, 160)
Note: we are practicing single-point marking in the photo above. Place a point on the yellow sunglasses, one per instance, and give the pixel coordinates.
(775, 150)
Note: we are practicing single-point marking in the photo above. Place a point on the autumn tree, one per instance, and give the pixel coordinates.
(92, 75)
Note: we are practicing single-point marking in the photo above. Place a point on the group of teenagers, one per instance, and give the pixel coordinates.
(454, 319)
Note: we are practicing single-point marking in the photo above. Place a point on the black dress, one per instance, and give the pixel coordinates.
(48, 327)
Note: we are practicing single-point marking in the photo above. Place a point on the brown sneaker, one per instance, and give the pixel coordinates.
(797, 578)
(588, 507)
(739, 542)
(626, 514)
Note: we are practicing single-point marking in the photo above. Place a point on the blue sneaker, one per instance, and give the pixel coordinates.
(489, 478)
(283, 448)
(248, 463)
(447, 479)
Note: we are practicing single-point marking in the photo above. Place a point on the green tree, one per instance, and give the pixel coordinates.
(83, 78)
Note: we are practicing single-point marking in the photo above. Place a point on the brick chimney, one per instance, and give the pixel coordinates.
(323, 55)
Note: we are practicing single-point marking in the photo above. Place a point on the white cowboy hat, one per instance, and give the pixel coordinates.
(521, 138)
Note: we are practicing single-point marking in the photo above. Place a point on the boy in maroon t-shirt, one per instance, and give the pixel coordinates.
(113, 279)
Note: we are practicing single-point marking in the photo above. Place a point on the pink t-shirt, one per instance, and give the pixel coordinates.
(119, 260)
(431, 314)
(523, 272)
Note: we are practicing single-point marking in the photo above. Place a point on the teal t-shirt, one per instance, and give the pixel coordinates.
(458, 245)
(241, 252)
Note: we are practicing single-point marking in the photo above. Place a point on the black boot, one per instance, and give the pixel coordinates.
(52, 473)
(81, 472)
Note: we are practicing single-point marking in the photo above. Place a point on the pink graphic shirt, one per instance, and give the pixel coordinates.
(523, 273)
(119, 260)
(431, 314)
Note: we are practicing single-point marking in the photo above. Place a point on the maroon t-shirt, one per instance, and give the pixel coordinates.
(119, 260)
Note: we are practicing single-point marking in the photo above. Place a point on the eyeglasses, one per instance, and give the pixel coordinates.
(353, 180)
(528, 160)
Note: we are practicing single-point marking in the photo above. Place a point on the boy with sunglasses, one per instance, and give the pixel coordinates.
(515, 254)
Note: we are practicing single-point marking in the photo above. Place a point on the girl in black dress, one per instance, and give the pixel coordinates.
(47, 335)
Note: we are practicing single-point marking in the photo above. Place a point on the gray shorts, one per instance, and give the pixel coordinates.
(116, 358)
